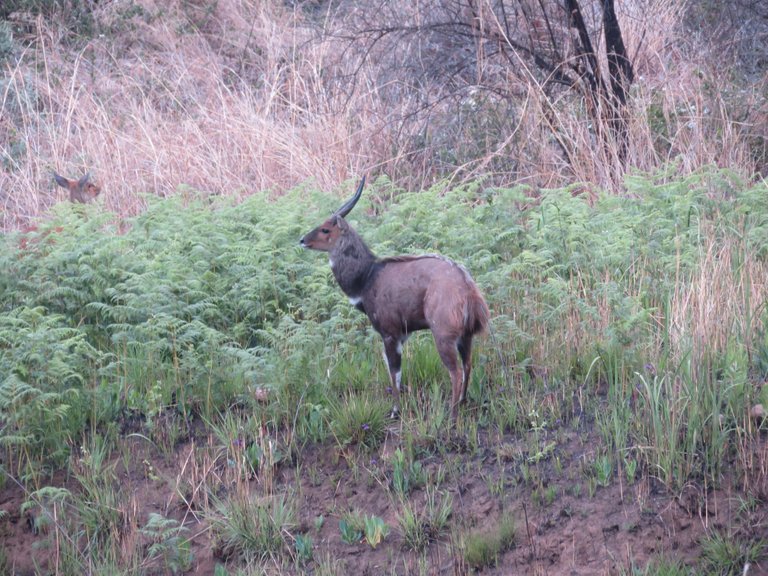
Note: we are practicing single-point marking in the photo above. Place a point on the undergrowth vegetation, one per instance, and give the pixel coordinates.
(643, 316)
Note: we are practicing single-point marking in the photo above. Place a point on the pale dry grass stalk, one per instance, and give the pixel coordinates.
(171, 114)
(752, 454)
(722, 300)
(678, 109)
(246, 97)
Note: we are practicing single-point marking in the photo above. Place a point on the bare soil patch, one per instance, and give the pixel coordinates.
(565, 524)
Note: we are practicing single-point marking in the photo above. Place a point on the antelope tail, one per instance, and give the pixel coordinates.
(477, 314)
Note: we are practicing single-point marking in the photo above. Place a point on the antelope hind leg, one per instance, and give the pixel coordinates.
(465, 351)
(447, 348)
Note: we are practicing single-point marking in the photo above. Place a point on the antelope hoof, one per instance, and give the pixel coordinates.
(395, 414)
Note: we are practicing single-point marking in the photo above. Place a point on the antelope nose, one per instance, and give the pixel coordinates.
(301, 241)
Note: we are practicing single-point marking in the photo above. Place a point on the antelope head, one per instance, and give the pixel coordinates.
(325, 236)
(82, 191)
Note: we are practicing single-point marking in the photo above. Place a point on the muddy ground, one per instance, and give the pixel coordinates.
(566, 523)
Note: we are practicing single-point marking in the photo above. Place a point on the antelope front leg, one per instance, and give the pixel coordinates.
(393, 355)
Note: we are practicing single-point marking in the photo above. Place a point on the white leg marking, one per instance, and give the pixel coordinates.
(397, 380)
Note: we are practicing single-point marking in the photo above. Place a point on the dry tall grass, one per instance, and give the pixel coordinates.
(726, 296)
(162, 106)
(244, 95)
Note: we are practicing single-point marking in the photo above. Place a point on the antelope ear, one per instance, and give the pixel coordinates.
(340, 223)
(84, 180)
(60, 180)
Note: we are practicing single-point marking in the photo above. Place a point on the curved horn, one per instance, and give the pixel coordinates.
(349, 204)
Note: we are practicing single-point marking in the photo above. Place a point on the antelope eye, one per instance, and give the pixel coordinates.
(325, 230)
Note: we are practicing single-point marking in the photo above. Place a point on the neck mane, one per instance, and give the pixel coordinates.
(352, 262)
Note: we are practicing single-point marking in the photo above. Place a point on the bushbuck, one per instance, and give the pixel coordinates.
(81, 191)
(403, 294)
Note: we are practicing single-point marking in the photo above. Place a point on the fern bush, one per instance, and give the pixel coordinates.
(47, 385)
(201, 301)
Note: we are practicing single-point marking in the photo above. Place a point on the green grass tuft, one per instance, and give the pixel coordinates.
(360, 421)
(253, 528)
(483, 548)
